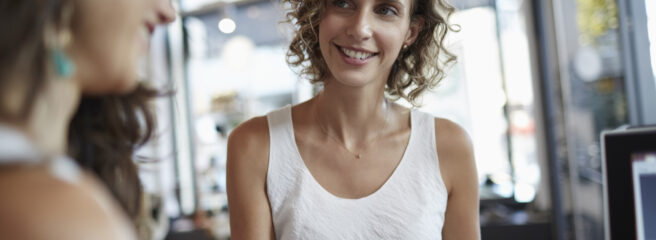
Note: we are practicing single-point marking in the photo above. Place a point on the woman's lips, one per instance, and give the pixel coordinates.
(355, 56)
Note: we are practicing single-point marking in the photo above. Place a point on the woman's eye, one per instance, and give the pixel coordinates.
(386, 11)
(341, 4)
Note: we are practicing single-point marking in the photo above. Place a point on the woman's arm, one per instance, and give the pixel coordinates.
(458, 167)
(248, 159)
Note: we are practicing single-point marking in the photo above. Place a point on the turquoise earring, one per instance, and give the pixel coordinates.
(64, 67)
(58, 37)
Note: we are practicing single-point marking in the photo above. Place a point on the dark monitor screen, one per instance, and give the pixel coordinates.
(644, 194)
(630, 183)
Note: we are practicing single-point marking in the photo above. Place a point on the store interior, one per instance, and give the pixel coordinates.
(535, 84)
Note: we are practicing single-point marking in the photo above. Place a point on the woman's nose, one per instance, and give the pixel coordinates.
(361, 28)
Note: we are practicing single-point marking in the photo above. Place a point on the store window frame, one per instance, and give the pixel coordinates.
(640, 83)
(639, 87)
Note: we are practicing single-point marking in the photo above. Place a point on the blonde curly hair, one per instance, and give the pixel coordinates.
(419, 67)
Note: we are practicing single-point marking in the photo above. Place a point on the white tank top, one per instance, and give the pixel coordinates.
(410, 205)
(16, 148)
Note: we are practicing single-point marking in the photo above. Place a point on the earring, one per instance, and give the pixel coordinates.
(405, 46)
(64, 66)
(58, 39)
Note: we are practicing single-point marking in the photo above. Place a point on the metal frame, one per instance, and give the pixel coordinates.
(565, 40)
(640, 83)
(182, 126)
(548, 64)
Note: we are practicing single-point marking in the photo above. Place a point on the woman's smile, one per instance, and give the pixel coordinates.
(355, 56)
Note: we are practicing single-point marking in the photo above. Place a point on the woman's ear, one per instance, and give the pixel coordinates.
(416, 25)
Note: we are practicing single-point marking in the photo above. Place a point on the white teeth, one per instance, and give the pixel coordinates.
(356, 54)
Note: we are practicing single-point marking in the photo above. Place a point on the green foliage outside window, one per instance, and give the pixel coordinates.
(595, 18)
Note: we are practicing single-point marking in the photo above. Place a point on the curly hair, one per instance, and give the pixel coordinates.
(419, 67)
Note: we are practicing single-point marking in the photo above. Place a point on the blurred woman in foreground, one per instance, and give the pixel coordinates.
(68, 71)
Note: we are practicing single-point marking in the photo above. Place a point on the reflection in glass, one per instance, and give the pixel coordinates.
(592, 84)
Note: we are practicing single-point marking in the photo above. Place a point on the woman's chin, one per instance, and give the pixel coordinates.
(127, 87)
(113, 87)
(351, 81)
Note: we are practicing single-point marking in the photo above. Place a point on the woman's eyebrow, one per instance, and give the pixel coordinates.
(393, 2)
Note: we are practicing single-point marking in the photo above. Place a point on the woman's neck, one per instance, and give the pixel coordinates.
(352, 114)
(48, 122)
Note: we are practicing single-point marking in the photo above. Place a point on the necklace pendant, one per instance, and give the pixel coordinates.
(358, 156)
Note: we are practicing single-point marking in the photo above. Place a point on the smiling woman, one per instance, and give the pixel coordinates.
(349, 163)
(418, 63)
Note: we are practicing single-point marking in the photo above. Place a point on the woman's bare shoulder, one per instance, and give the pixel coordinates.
(252, 135)
(36, 205)
(248, 147)
(455, 152)
(451, 137)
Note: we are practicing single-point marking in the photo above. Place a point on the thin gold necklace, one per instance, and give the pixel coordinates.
(342, 144)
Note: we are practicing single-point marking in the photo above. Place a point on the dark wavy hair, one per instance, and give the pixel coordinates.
(418, 68)
(105, 131)
(103, 136)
